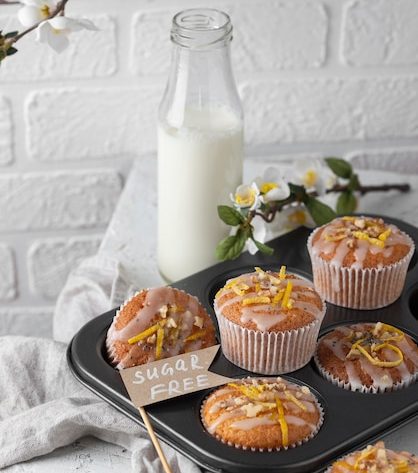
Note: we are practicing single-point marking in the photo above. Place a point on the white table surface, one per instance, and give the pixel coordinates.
(131, 237)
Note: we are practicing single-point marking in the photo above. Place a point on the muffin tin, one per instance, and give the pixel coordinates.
(351, 420)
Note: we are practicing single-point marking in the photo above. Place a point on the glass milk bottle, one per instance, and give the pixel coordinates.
(200, 143)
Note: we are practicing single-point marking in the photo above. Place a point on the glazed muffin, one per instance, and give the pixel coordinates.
(269, 321)
(262, 414)
(360, 262)
(376, 459)
(368, 357)
(158, 323)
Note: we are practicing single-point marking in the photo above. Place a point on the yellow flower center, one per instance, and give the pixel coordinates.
(298, 217)
(45, 11)
(310, 178)
(246, 199)
(268, 186)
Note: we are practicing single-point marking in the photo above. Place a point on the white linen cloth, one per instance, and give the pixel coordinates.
(43, 407)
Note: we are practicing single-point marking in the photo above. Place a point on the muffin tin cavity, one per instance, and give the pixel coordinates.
(351, 420)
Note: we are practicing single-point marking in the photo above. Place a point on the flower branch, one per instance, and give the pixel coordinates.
(273, 198)
(47, 18)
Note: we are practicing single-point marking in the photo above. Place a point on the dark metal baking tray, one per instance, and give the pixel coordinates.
(351, 419)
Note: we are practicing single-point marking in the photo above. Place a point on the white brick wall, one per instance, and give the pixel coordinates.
(316, 77)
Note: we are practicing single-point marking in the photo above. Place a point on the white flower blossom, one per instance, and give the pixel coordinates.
(295, 216)
(259, 234)
(55, 31)
(272, 186)
(247, 196)
(313, 174)
(35, 11)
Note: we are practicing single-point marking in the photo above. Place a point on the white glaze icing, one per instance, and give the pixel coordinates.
(265, 316)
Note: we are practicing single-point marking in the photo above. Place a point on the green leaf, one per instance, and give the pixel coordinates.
(320, 212)
(298, 191)
(11, 51)
(346, 203)
(231, 247)
(340, 167)
(267, 250)
(229, 215)
(2, 54)
(12, 34)
(354, 183)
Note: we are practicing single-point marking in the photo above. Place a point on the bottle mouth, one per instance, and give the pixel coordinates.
(201, 28)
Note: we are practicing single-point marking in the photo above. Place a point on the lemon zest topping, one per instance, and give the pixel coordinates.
(231, 284)
(196, 335)
(145, 334)
(256, 300)
(159, 345)
(375, 360)
(363, 236)
(278, 297)
(366, 453)
(334, 237)
(282, 273)
(383, 236)
(292, 398)
(249, 391)
(240, 289)
(388, 328)
(282, 422)
(344, 464)
(288, 291)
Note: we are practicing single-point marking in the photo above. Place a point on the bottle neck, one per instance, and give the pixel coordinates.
(199, 79)
(201, 74)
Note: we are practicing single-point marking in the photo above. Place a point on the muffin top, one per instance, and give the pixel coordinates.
(360, 242)
(158, 323)
(376, 459)
(368, 354)
(262, 413)
(269, 301)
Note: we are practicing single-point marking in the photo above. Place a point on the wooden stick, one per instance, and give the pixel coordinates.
(154, 439)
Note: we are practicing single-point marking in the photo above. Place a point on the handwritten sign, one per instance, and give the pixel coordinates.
(172, 377)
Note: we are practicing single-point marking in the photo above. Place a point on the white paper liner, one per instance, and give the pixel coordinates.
(268, 352)
(357, 288)
(363, 389)
(277, 449)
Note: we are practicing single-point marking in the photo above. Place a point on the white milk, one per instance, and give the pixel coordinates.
(199, 165)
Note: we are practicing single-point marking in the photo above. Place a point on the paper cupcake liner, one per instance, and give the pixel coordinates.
(277, 449)
(357, 288)
(109, 348)
(363, 389)
(268, 352)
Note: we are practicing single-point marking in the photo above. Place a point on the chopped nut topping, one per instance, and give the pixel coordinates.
(251, 410)
(198, 321)
(239, 401)
(360, 223)
(171, 323)
(151, 339)
(350, 243)
(163, 311)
